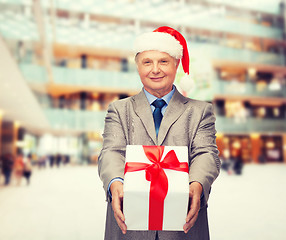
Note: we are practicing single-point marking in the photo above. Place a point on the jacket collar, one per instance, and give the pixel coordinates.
(174, 110)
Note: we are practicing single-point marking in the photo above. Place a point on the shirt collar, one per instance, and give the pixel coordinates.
(167, 98)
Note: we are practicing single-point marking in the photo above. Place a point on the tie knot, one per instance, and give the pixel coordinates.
(158, 103)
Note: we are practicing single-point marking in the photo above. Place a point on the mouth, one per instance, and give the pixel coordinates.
(156, 78)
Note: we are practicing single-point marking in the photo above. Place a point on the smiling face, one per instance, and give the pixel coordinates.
(157, 71)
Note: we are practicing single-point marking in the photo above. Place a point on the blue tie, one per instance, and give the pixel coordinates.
(157, 114)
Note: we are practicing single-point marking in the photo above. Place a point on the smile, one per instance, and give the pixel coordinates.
(156, 78)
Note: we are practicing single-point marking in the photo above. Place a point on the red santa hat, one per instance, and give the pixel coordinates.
(169, 40)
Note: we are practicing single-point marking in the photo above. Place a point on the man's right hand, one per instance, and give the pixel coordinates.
(116, 189)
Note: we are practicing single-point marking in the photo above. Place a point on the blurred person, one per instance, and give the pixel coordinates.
(58, 160)
(66, 159)
(21, 51)
(27, 170)
(42, 162)
(237, 160)
(51, 160)
(179, 121)
(7, 167)
(19, 168)
(227, 162)
(225, 159)
(238, 165)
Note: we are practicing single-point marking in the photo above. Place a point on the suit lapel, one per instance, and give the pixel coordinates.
(143, 110)
(174, 110)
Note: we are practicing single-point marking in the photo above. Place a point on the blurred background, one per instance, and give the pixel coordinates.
(63, 61)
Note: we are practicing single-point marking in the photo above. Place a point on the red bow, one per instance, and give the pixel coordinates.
(159, 181)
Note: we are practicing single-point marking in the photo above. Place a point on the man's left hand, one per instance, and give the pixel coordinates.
(195, 199)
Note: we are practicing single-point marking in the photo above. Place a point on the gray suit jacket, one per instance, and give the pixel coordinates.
(186, 122)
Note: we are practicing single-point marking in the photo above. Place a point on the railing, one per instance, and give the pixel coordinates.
(247, 125)
(78, 120)
(219, 52)
(97, 78)
(247, 89)
(33, 73)
(83, 77)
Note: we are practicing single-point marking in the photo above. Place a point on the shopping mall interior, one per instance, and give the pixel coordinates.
(63, 62)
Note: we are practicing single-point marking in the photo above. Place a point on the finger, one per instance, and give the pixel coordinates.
(192, 214)
(187, 226)
(117, 208)
(119, 214)
(194, 208)
(121, 224)
(117, 202)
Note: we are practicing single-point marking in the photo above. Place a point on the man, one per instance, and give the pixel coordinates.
(183, 122)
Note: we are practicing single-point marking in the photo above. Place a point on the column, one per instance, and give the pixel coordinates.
(256, 147)
(219, 143)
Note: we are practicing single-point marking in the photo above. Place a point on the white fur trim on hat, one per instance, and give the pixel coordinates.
(159, 41)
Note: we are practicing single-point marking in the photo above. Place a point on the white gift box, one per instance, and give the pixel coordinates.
(137, 191)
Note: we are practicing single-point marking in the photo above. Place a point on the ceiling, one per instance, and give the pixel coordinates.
(116, 22)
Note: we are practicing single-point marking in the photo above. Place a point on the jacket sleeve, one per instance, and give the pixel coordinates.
(205, 163)
(111, 159)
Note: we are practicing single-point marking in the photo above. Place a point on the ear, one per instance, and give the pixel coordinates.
(177, 63)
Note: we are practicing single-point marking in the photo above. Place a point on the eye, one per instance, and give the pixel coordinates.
(146, 62)
(164, 61)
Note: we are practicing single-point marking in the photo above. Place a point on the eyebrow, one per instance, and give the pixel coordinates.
(144, 59)
(160, 59)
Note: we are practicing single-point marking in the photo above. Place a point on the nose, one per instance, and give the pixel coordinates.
(156, 68)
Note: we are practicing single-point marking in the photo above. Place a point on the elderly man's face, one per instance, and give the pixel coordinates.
(157, 71)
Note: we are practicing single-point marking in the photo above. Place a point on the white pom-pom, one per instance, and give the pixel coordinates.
(187, 83)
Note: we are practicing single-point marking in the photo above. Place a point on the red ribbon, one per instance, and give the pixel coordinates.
(159, 182)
